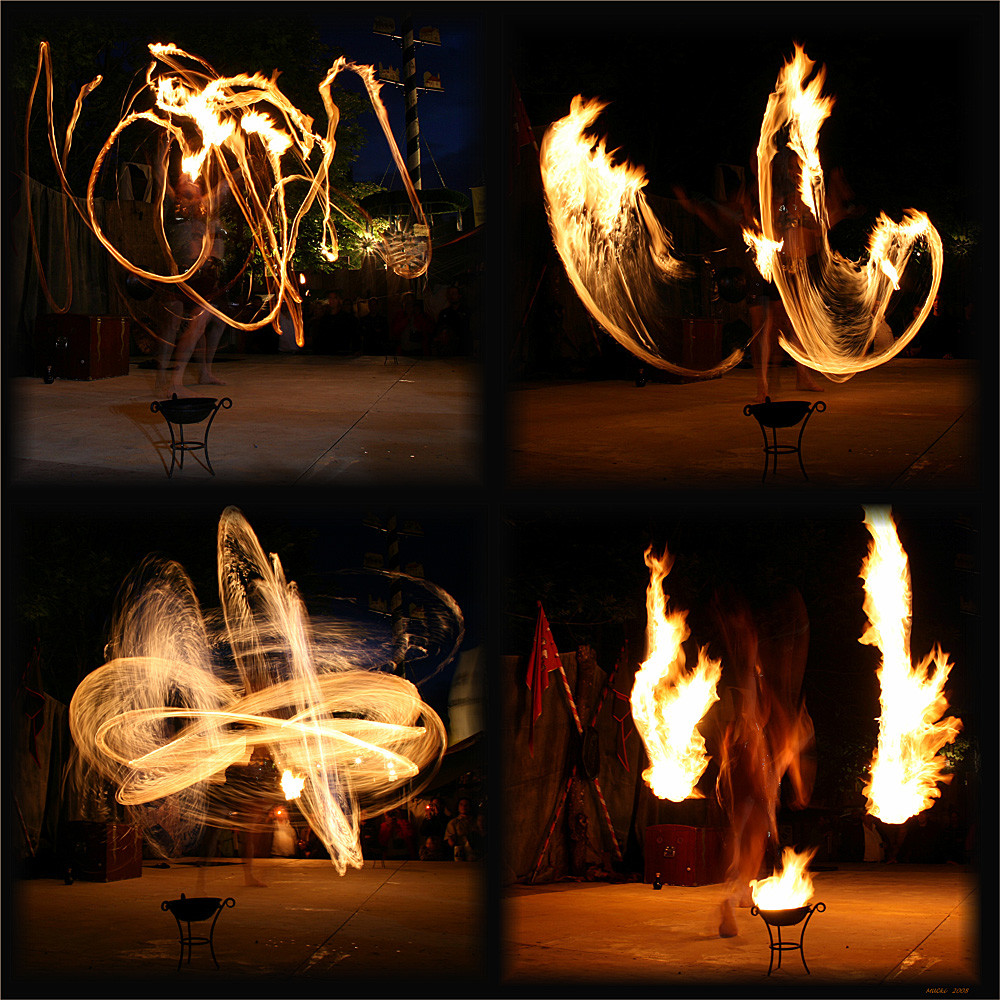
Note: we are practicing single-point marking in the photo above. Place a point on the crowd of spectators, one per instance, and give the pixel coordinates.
(426, 829)
(436, 325)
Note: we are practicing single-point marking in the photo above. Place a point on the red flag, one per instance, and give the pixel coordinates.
(523, 135)
(544, 659)
(34, 701)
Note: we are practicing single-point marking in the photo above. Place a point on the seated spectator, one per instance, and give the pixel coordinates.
(451, 333)
(874, 842)
(411, 328)
(462, 834)
(374, 329)
(396, 836)
(433, 849)
(921, 843)
(435, 819)
(337, 332)
(283, 842)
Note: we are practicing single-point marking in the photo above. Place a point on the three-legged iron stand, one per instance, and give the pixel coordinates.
(188, 411)
(195, 910)
(786, 918)
(786, 413)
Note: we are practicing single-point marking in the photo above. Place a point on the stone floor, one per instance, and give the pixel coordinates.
(309, 932)
(911, 424)
(900, 929)
(295, 419)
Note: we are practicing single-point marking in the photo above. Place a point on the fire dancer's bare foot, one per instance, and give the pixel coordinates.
(745, 899)
(805, 381)
(727, 924)
(180, 392)
(207, 378)
(254, 882)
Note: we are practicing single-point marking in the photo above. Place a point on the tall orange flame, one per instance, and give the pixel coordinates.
(906, 767)
(667, 702)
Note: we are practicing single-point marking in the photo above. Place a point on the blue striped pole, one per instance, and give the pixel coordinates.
(410, 96)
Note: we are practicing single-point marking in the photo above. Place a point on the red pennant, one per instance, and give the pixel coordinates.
(544, 659)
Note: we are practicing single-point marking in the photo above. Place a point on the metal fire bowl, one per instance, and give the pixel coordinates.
(196, 908)
(784, 413)
(186, 411)
(785, 918)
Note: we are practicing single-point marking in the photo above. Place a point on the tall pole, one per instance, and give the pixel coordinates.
(410, 96)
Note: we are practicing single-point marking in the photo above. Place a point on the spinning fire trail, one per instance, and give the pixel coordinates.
(244, 130)
(616, 252)
(835, 305)
(621, 259)
(166, 716)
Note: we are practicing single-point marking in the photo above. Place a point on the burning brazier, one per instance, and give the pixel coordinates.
(782, 900)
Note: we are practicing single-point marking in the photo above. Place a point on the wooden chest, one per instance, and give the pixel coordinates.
(82, 347)
(103, 852)
(685, 855)
(702, 343)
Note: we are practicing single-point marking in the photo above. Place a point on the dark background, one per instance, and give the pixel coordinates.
(688, 89)
(586, 567)
(70, 561)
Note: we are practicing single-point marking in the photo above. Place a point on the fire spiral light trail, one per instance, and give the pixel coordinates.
(243, 129)
(182, 698)
(835, 305)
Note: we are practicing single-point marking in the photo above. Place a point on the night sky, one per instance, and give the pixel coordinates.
(688, 86)
(451, 122)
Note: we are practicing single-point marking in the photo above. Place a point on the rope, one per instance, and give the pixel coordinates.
(431, 155)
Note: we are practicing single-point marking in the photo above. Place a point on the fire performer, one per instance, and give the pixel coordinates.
(195, 215)
(767, 313)
(767, 736)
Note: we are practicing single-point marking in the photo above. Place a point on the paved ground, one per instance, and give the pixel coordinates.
(294, 419)
(379, 931)
(901, 929)
(908, 424)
